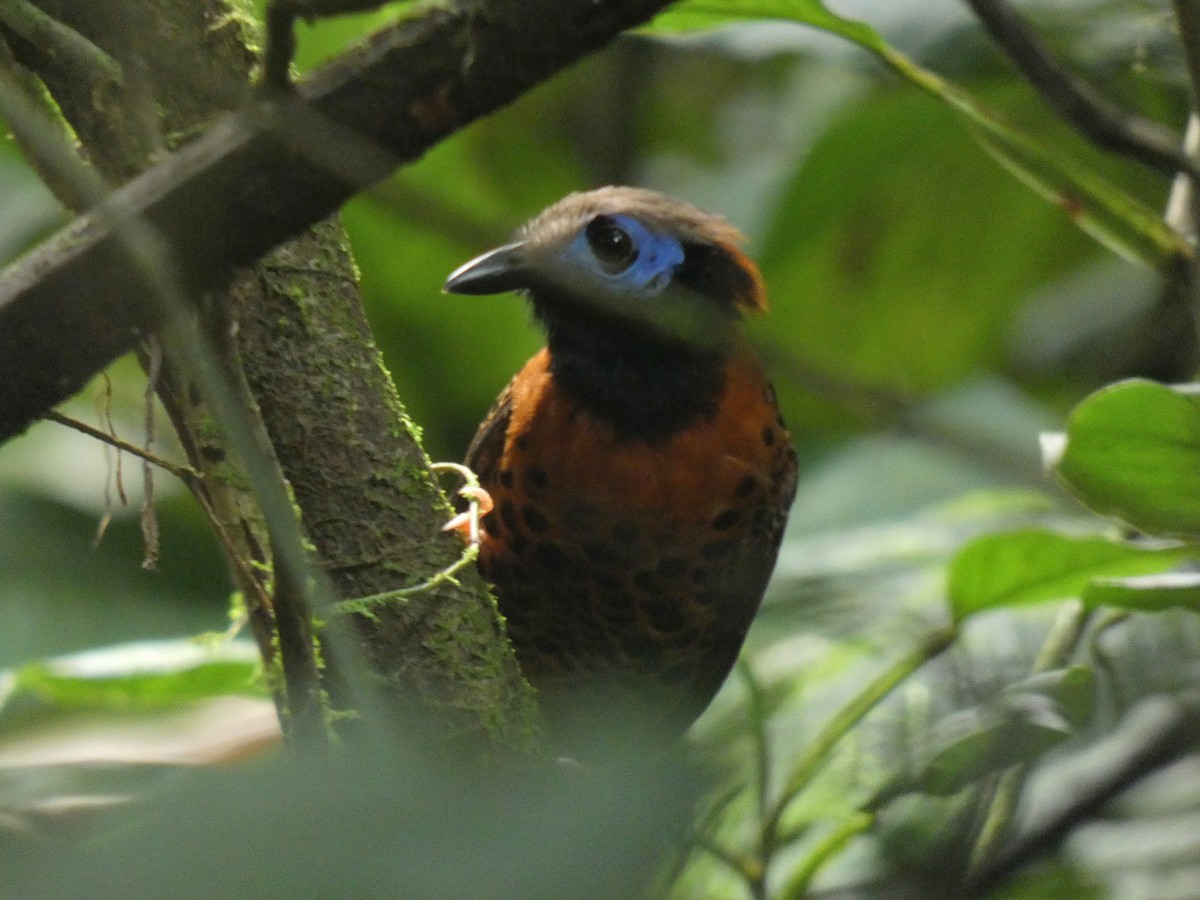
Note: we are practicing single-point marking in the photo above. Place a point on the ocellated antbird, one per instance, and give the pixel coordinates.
(640, 470)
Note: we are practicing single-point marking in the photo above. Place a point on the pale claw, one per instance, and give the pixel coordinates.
(467, 523)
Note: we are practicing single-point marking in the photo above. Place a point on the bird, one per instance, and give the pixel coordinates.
(638, 465)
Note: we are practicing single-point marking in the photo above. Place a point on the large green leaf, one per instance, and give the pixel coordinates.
(697, 14)
(897, 254)
(1133, 451)
(972, 743)
(145, 675)
(1034, 565)
(1147, 593)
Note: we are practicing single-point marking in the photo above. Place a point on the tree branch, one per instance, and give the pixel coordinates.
(262, 175)
(1164, 730)
(1106, 125)
(1187, 15)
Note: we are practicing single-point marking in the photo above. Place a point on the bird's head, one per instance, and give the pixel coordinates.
(624, 257)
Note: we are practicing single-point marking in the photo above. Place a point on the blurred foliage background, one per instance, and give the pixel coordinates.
(931, 316)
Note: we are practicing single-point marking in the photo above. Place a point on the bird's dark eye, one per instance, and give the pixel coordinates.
(611, 243)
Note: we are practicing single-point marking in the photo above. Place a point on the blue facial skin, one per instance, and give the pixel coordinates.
(658, 255)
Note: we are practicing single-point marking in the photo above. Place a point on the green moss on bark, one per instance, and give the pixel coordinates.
(306, 355)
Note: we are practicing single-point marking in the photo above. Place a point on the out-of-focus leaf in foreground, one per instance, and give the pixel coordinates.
(144, 675)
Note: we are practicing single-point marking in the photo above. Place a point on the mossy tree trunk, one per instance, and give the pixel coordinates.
(293, 337)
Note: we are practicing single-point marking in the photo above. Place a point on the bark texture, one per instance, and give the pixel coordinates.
(267, 171)
(290, 328)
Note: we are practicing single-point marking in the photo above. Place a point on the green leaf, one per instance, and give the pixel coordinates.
(975, 742)
(145, 675)
(1146, 593)
(1133, 451)
(1035, 565)
(1073, 691)
(1115, 218)
(1025, 720)
(700, 14)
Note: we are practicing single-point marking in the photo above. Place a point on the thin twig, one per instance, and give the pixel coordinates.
(476, 498)
(702, 826)
(1165, 731)
(186, 474)
(150, 536)
(403, 90)
(851, 714)
(825, 849)
(1103, 659)
(757, 715)
(104, 411)
(305, 721)
(29, 140)
(1187, 14)
(1179, 299)
(188, 348)
(246, 576)
(112, 462)
(1181, 205)
(1099, 120)
(77, 55)
(744, 868)
(1060, 645)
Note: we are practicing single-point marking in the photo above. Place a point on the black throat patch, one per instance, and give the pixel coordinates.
(648, 387)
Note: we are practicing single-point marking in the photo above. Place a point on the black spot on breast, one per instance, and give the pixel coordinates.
(664, 614)
(745, 487)
(536, 479)
(644, 579)
(600, 553)
(615, 610)
(491, 524)
(607, 581)
(534, 519)
(518, 543)
(551, 557)
(522, 443)
(508, 512)
(717, 549)
(768, 436)
(579, 517)
(726, 520)
(671, 567)
(506, 478)
(626, 533)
